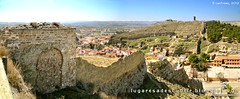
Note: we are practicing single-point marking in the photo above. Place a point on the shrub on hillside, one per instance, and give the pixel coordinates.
(19, 88)
(3, 51)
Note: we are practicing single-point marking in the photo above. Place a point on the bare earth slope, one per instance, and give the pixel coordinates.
(165, 28)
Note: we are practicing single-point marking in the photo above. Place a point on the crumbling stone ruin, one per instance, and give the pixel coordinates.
(45, 53)
(118, 78)
(41, 25)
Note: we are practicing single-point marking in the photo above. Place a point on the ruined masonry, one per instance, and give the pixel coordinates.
(5, 90)
(45, 53)
(118, 78)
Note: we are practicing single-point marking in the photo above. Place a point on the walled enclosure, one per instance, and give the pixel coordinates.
(118, 78)
(45, 53)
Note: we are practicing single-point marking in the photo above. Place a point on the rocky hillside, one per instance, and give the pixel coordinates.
(163, 70)
(165, 28)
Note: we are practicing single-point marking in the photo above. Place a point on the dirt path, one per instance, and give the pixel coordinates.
(207, 49)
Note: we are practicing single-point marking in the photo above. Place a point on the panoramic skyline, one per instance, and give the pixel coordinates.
(117, 10)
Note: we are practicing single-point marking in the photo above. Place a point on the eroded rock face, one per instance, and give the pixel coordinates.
(195, 84)
(118, 78)
(163, 69)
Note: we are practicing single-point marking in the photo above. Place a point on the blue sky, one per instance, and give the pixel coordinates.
(117, 10)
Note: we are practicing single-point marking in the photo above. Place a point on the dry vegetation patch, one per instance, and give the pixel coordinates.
(20, 89)
(100, 61)
(3, 51)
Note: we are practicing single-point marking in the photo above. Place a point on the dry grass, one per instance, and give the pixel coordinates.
(100, 60)
(19, 88)
(22, 90)
(3, 51)
(187, 27)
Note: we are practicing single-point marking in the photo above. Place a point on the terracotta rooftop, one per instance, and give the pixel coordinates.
(227, 57)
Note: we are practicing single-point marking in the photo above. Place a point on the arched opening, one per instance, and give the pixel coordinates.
(49, 70)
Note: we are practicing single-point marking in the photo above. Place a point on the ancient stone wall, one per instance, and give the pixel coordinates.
(5, 89)
(17, 38)
(118, 78)
(45, 53)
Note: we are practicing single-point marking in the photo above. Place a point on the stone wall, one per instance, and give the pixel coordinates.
(5, 89)
(17, 38)
(45, 53)
(118, 78)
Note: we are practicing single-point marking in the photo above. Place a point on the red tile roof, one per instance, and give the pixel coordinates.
(227, 57)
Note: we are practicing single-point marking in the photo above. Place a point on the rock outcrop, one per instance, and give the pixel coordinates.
(164, 69)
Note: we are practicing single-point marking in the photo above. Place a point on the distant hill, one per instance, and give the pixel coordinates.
(233, 22)
(165, 28)
(10, 23)
(112, 26)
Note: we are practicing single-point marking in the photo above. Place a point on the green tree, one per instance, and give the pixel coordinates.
(199, 62)
(229, 39)
(202, 66)
(119, 32)
(215, 31)
(193, 59)
(204, 57)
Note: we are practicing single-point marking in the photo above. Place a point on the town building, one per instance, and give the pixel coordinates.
(226, 61)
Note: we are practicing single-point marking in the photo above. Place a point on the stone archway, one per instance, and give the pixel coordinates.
(49, 70)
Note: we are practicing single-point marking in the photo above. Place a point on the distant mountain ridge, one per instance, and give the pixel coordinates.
(233, 22)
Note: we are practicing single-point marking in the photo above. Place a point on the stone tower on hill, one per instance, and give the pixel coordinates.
(45, 53)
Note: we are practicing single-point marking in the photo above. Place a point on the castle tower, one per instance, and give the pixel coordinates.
(194, 18)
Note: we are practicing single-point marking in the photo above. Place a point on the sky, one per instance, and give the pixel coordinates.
(117, 10)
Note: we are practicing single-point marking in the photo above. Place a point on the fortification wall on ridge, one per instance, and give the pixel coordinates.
(5, 89)
(120, 77)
